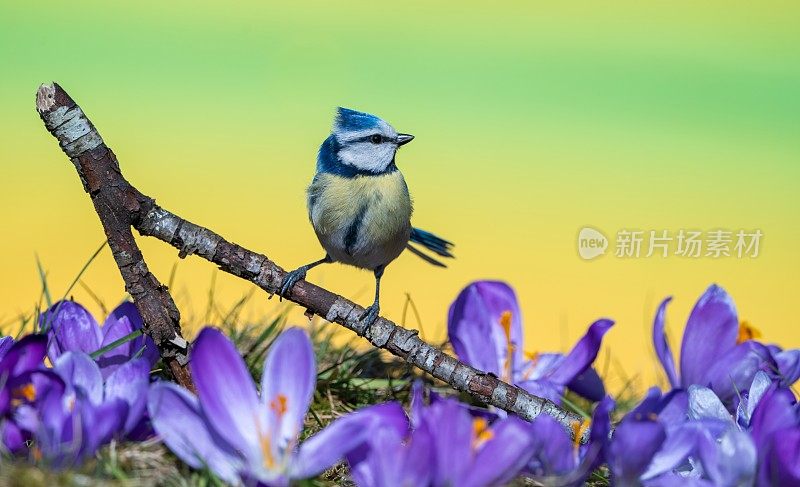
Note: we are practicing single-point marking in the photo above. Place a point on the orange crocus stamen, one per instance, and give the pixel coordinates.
(279, 405)
(578, 429)
(533, 359)
(266, 450)
(23, 393)
(481, 432)
(505, 322)
(265, 442)
(747, 332)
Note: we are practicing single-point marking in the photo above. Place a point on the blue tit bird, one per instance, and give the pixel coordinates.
(359, 204)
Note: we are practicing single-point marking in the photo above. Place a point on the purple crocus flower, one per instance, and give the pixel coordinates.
(446, 445)
(70, 327)
(485, 328)
(788, 362)
(393, 457)
(67, 430)
(775, 425)
(561, 460)
(244, 438)
(690, 437)
(717, 350)
(5, 345)
(73, 420)
(21, 384)
(681, 438)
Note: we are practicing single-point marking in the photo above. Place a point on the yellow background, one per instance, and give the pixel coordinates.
(532, 120)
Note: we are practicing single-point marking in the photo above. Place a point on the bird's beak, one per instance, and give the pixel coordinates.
(403, 139)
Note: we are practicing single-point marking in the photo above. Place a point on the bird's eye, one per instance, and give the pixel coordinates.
(376, 139)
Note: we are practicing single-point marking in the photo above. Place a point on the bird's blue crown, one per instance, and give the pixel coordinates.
(351, 120)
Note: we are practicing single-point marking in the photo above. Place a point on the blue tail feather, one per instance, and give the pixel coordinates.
(431, 242)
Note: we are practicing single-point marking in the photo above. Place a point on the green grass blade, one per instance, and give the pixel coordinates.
(43, 277)
(111, 346)
(575, 407)
(83, 269)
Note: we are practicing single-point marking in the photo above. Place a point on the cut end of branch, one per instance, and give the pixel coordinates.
(45, 97)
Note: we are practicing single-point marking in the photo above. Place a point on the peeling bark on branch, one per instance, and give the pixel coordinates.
(120, 206)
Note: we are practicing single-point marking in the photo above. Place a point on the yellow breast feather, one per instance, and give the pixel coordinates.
(338, 200)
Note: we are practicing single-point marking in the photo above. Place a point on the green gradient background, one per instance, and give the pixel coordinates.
(532, 120)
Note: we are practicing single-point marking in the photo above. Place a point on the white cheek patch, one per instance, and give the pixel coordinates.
(367, 156)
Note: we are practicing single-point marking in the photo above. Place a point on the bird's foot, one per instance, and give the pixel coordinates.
(290, 279)
(369, 315)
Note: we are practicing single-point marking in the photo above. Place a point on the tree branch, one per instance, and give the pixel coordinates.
(121, 206)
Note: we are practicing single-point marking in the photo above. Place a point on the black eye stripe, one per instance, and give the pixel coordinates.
(368, 138)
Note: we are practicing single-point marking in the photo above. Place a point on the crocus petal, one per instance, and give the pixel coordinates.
(681, 441)
(761, 383)
(49, 419)
(418, 465)
(127, 310)
(417, 402)
(13, 440)
(732, 461)
(24, 355)
(226, 392)
(124, 320)
(678, 480)
(780, 465)
(378, 464)
(288, 381)
(711, 332)
(601, 420)
(141, 431)
(70, 328)
(734, 372)
(633, 447)
(70, 433)
(451, 426)
(704, 404)
(502, 457)
(113, 330)
(788, 362)
(114, 358)
(589, 385)
(390, 460)
(179, 421)
(78, 370)
(552, 450)
(335, 441)
(649, 404)
(775, 412)
(674, 407)
(582, 354)
(99, 424)
(474, 326)
(129, 382)
(661, 344)
(5, 345)
(543, 366)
